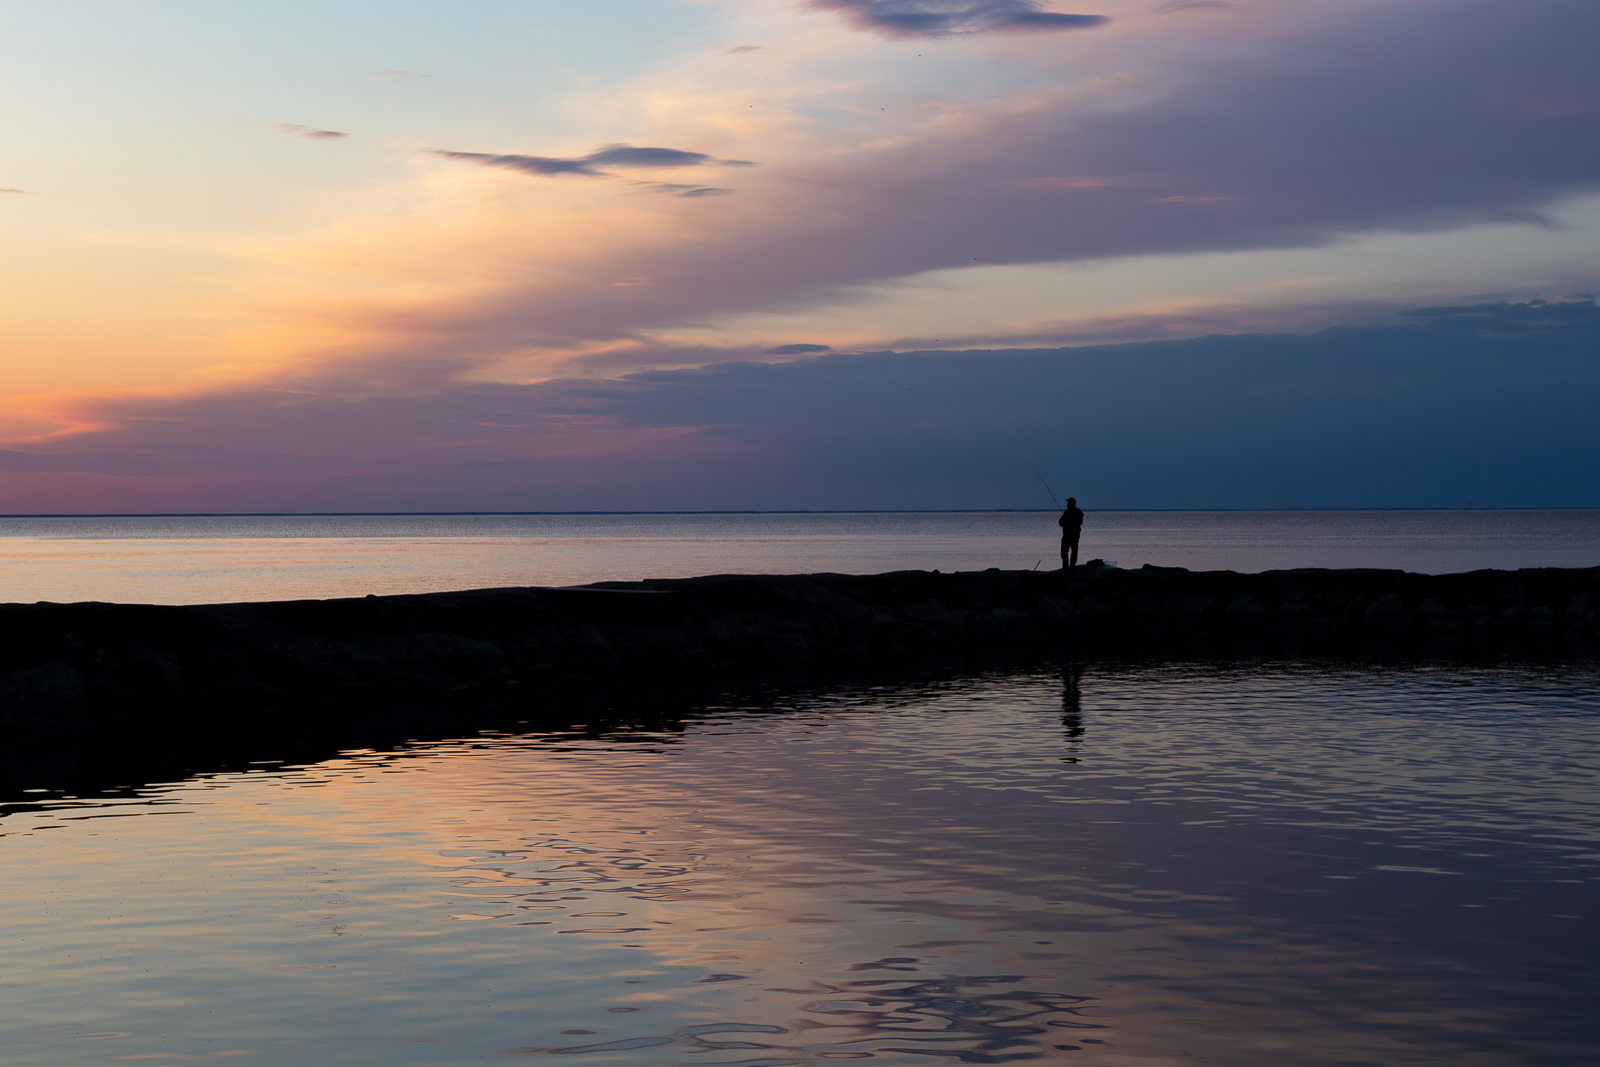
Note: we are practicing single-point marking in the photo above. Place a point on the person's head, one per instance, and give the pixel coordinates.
(1072, 501)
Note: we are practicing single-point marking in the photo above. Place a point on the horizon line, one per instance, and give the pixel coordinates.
(784, 511)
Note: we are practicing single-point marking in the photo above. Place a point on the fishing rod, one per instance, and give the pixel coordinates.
(1046, 486)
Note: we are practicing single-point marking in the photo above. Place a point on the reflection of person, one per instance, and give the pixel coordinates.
(1071, 523)
(1071, 702)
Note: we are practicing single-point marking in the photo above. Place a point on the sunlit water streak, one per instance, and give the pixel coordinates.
(1118, 867)
(194, 560)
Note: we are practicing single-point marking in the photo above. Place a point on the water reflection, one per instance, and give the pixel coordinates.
(1250, 867)
(954, 1018)
(1071, 706)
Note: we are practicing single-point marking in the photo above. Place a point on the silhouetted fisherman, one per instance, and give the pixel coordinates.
(1071, 523)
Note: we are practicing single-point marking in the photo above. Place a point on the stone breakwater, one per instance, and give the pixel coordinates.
(75, 669)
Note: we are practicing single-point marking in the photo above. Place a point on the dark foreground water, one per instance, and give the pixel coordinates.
(1135, 867)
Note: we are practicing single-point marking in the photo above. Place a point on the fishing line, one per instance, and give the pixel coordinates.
(1046, 486)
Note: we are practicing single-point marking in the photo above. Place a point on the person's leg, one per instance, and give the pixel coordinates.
(1074, 550)
(1066, 547)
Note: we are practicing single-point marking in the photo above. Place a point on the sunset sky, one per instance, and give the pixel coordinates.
(537, 255)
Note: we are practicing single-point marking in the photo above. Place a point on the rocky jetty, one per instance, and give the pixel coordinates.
(109, 669)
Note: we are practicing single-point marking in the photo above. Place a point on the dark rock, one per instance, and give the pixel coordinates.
(933, 613)
(51, 697)
(1095, 607)
(144, 670)
(1386, 607)
(1246, 607)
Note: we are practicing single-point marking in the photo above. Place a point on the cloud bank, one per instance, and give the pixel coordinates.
(1489, 403)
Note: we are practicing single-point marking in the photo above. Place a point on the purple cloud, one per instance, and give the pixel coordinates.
(946, 18)
(678, 189)
(1414, 123)
(591, 165)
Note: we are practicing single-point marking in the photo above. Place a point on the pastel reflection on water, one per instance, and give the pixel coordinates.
(1100, 865)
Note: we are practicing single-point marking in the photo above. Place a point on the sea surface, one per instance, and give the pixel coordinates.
(214, 559)
(1106, 866)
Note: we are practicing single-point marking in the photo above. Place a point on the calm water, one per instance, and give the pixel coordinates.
(1131, 867)
(209, 560)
